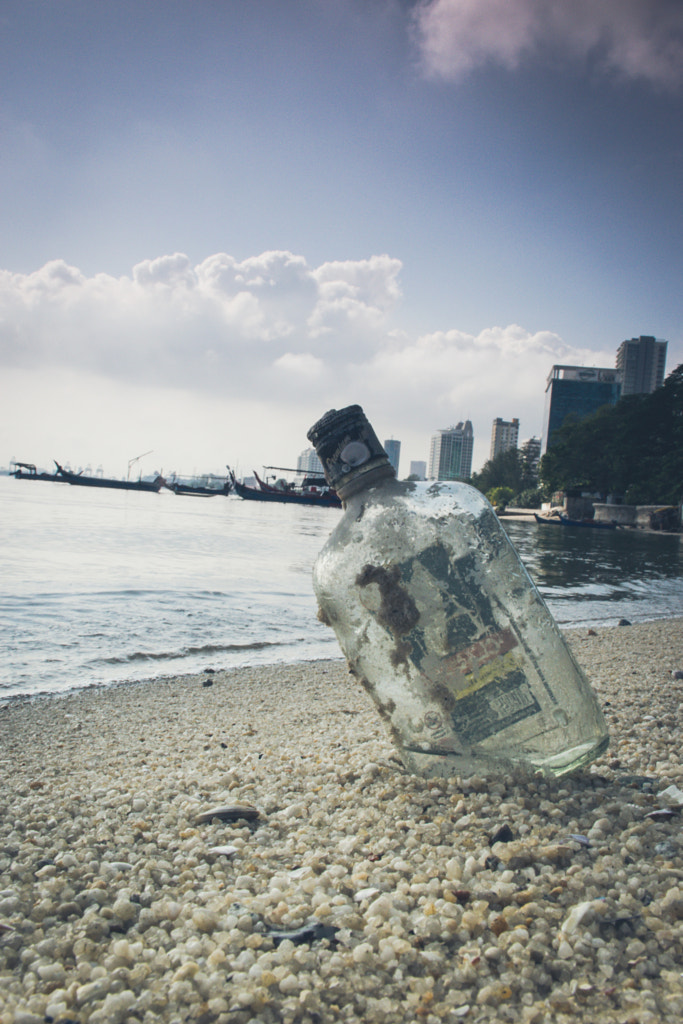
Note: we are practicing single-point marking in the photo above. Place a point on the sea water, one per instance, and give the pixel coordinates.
(98, 586)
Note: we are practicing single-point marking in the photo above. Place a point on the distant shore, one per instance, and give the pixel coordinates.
(461, 899)
(526, 515)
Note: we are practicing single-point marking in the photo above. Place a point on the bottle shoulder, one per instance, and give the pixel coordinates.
(426, 497)
(395, 520)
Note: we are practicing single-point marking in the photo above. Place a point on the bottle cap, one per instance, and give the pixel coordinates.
(349, 449)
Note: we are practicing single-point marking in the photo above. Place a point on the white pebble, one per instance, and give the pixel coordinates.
(365, 894)
(672, 796)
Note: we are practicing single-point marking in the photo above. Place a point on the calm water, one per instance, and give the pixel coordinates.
(97, 585)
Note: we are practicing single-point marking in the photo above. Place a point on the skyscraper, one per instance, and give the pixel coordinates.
(504, 435)
(577, 391)
(419, 469)
(393, 450)
(641, 363)
(530, 456)
(308, 461)
(450, 453)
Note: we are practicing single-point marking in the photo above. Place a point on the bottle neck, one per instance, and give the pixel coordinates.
(362, 477)
(350, 451)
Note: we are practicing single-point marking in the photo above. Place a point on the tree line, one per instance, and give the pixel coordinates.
(632, 450)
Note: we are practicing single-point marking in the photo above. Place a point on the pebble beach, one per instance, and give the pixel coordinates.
(243, 847)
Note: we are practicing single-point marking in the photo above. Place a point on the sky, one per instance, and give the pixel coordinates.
(221, 218)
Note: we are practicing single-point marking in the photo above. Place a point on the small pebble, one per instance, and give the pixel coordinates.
(672, 796)
(139, 882)
(233, 812)
(502, 835)
(365, 894)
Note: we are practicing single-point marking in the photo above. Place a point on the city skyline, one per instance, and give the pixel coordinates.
(221, 220)
(308, 461)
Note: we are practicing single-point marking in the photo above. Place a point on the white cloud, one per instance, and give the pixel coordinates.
(447, 376)
(635, 39)
(266, 344)
(301, 364)
(206, 326)
(171, 271)
(372, 282)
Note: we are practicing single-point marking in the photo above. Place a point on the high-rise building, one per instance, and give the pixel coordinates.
(393, 450)
(504, 435)
(577, 391)
(530, 456)
(419, 469)
(641, 363)
(308, 461)
(450, 453)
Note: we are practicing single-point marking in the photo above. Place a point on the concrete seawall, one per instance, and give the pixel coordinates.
(639, 517)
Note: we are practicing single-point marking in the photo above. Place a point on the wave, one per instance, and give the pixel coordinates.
(190, 652)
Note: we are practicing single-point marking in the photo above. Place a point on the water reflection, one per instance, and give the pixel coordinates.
(589, 569)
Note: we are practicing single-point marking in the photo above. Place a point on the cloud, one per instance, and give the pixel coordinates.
(166, 271)
(446, 376)
(219, 325)
(631, 39)
(303, 365)
(264, 341)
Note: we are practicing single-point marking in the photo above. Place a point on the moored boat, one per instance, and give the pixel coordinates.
(27, 471)
(547, 520)
(201, 487)
(311, 491)
(198, 490)
(79, 480)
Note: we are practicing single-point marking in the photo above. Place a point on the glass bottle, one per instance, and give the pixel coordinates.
(440, 621)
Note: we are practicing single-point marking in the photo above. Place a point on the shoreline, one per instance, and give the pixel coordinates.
(6, 699)
(119, 904)
(526, 515)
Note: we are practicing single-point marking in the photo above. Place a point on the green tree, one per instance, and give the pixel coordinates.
(528, 457)
(514, 470)
(500, 496)
(504, 470)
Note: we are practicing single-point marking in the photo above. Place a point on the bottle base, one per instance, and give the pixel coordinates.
(440, 764)
(571, 760)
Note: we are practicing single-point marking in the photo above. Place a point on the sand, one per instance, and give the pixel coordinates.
(462, 899)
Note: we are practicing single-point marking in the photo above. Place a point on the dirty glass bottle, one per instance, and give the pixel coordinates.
(440, 621)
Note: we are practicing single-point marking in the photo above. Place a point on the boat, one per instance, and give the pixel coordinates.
(562, 520)
(27, 471)
(311, 491)
(77, 479)
(199, 490)
(547, 520)
(208, 488)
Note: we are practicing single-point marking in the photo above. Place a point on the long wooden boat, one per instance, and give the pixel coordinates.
(199, 490)
(78, 480)
(207, 485)
(547, 520)
(306, 493)
(562, 520)
(27, 471)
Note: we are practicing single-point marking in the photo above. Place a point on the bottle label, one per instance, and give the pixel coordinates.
(498, 704)
(443, 623)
